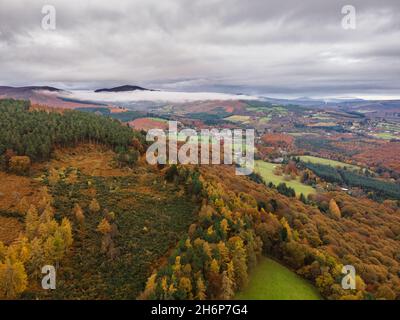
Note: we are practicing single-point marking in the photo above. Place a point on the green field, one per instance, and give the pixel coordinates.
(266, 170)
(328, 162)
(237, 118)
(264, 120)
(386, 136)
(272, 281)
(157, 119)
(302, 134)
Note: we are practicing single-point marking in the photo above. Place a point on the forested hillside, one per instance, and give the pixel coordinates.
(346, 177)
(36, 133)
(240, 220)
(118, 228)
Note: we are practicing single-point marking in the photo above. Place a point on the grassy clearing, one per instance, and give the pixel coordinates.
(327, 162)
(158, 119)
(14, 188)
(385, 136)
(266, 170)
(237, 118)
(264, 120)
(92, 160)
(272, 281)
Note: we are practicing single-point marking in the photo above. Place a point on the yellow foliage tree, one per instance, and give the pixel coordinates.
(66, 232)
(186, 286)
(225, 226)
(177, 266)
(54, 247)
(23, 205)
(227, 291)
(54, 177)
(104, 227)
(287, 229)
(13, 279)
(214, 267)
(20, 164)
(334, 209)
(201, 289)
(150, 287)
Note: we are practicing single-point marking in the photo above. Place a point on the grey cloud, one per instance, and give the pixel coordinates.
(277, 46)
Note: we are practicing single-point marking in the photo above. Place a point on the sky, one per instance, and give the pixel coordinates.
(275, 48)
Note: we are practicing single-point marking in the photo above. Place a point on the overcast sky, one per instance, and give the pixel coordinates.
(277, 48)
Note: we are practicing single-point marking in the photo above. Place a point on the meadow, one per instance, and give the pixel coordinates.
(272, 281)
(237, 118)
(266, 170)
(328, 162)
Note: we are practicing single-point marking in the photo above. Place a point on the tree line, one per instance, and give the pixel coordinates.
(380, 189)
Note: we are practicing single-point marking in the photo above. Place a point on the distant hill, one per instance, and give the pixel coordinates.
(123, 89)
(28, 89)
(44, 95)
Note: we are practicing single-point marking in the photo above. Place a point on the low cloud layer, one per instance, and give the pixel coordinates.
(278, 48)
(162, 96)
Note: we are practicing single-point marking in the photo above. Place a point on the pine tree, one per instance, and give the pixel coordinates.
(13, 279)
(47, 214)
(150, 287)
(54, 247)
(225, 226)
(37, 258)
(239, 264)
(214, 267)
(201, 289)
(227, 291)
(185, 286)
(66, 232)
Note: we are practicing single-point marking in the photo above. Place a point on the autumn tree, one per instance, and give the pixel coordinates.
(20, 165)
(200, 289)
(55, 247)
(239, 262)
(13, 279)
(94, 206)
(66, 232)
(150, 288)
(334, 209)
(79, 215)
(227, 291)
(104, 227)
(37, 258)
(185, 286)
(23, 206)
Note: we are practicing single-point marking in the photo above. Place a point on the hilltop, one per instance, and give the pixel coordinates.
(123, 89)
